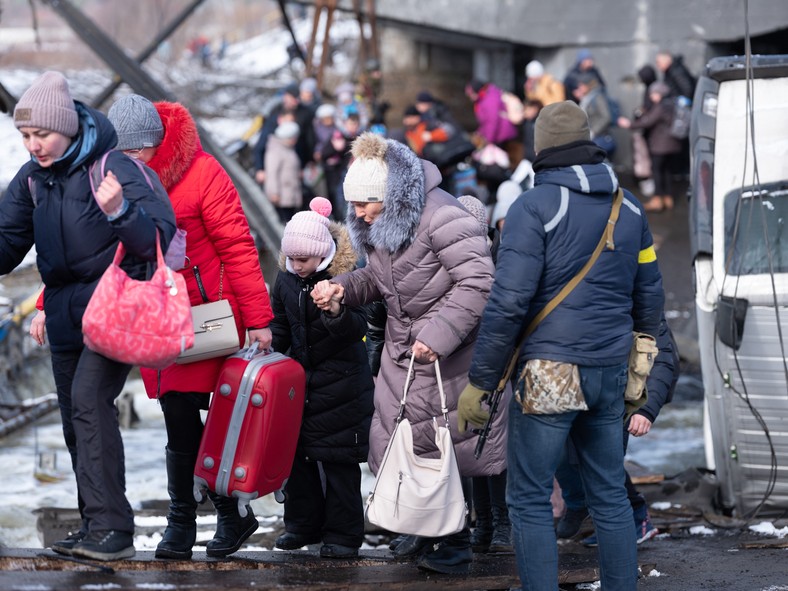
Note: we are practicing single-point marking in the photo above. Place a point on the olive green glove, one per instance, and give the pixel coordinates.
(469, 407)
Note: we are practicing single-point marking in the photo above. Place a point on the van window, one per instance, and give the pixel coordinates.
(759, 234)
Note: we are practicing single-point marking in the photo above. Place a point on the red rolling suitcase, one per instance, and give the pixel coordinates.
(252, 428)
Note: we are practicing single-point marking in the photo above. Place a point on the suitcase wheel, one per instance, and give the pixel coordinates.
(280, 496)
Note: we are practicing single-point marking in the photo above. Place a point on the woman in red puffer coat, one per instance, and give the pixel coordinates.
(220, 246)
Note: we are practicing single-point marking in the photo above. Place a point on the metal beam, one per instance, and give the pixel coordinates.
(289, 25)
(261, 214)
(148, 50)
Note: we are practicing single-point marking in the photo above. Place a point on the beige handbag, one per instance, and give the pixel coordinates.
(416, 495)
(550, 387)
(641, 359)
(215, 331)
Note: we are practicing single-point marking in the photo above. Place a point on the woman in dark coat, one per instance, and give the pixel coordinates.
(662, 146)
(50, 204)
(323, 495)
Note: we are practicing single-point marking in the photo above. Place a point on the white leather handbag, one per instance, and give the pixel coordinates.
(413, 494)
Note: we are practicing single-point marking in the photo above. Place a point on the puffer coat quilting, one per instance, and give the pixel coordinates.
(429, 260)
(339, 389)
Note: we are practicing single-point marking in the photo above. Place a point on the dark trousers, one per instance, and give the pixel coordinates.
(87, 386)
(324, 498)
(661, 171)
(183, 421)
(489, 498)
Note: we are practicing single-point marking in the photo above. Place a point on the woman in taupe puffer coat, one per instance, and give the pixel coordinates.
(428, 260)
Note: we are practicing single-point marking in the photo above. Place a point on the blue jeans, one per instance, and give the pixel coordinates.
(568, 476)
(536, 444)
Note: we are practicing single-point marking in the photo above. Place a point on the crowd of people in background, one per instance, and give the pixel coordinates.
(476, 161)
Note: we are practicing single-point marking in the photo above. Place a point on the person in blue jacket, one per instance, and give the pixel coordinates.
(550, 233)
(50, 204)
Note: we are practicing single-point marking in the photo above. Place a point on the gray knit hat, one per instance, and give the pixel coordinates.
(137, 123)
(476, 208)
(559, 124)
(47, 104)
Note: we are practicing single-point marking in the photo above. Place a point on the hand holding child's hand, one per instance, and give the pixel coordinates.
(327, 296)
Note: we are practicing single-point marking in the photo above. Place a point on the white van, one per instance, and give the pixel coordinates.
(739, 240)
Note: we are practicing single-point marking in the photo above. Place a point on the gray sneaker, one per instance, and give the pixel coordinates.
(106, 545)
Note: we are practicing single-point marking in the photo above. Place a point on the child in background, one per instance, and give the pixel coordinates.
(336, 159)
(325, 127)
(323, 495)
(283, 171)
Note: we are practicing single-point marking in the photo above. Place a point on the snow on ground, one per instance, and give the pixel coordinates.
(14, 154)
(146, 478)
(767, 528)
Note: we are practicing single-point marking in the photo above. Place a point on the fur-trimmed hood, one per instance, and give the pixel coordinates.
(345, 257)
(406, 191)
(180, 145)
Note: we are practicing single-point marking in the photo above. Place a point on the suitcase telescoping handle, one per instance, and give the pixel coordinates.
(253, 350)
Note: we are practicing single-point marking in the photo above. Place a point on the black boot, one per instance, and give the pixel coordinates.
(232, 530)
(502, 527)
(502, 532)
(410, 546)
(181, 532)
(482, 534)
(453, 556)
(483, 530)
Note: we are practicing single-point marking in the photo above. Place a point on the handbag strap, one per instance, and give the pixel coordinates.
(409, 381)
(605, 242)
(201, 287)
(120, 252)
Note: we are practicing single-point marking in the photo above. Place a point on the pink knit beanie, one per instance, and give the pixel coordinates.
(307, 233)
(47, 104)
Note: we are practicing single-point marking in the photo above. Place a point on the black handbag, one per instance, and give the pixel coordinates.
(454, 150)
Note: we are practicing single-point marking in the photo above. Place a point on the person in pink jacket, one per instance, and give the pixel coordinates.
(490, 110)
(222, 263)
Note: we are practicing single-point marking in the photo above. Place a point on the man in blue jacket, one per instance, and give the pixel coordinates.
(549, 235)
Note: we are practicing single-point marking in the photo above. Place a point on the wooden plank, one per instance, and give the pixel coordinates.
(374, 570)
(648, 479)
(765, 544)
